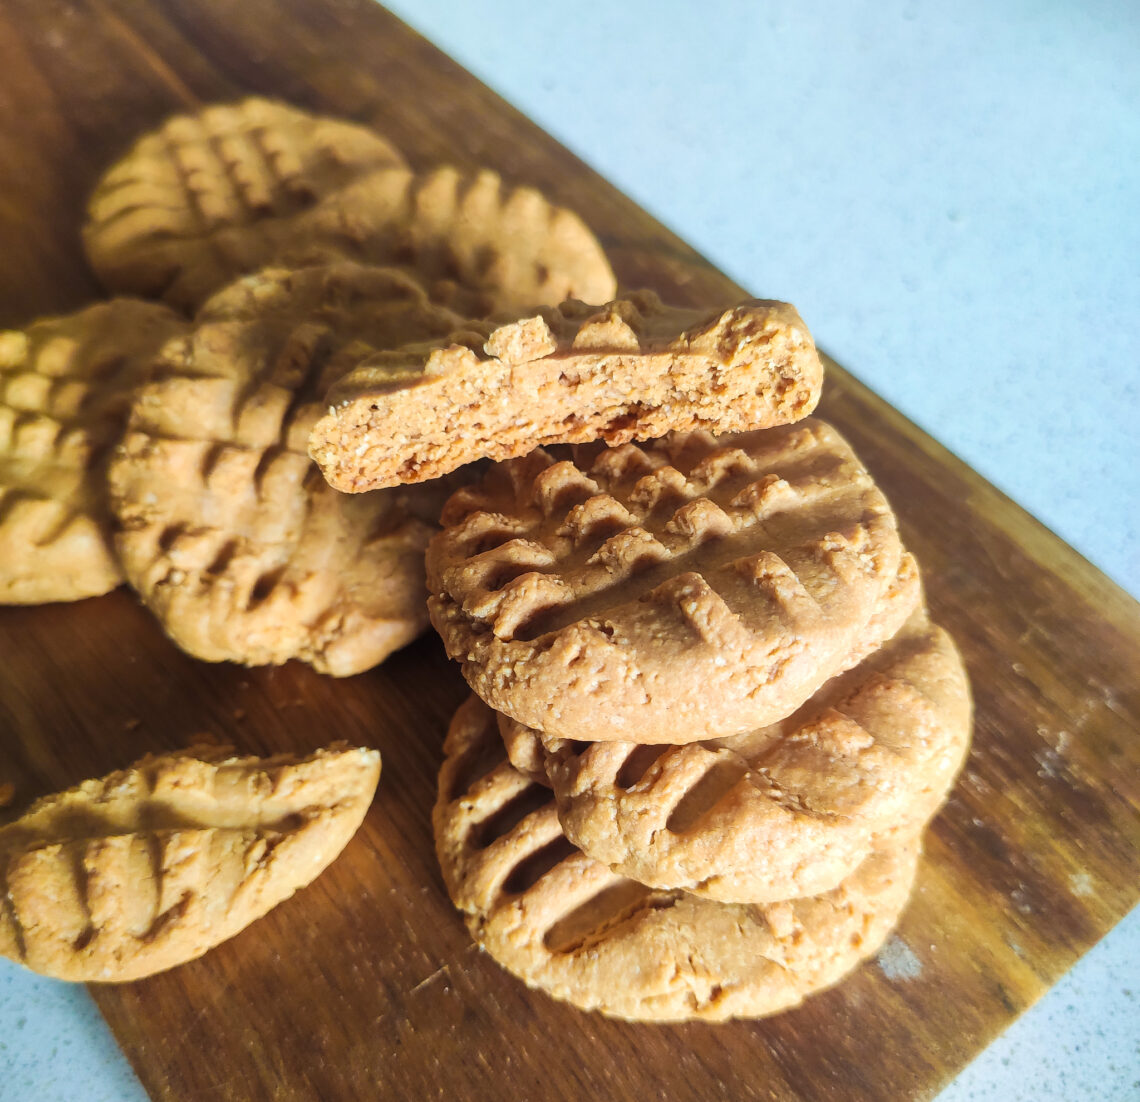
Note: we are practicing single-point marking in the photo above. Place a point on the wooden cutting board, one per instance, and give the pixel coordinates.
(366, 985)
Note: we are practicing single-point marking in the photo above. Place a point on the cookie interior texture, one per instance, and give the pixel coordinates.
(152, 866)
(567, 925)
(686, 590)
(633, 370)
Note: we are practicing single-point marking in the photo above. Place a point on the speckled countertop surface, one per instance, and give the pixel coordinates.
(951, 196)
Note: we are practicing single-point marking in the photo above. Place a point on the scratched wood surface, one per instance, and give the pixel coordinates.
(366, 984)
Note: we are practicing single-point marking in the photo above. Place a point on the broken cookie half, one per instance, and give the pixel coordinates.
(633, 369)
(151, 866)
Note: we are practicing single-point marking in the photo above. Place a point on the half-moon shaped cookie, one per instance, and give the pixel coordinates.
(150, 867)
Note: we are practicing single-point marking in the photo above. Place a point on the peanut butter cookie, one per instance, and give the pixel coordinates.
(789, 810)
(566, 925)
(150, 867)
(633, 370)
(468, 229)
(210, 196)
(213, 195)
(65, 389)
(689, 590)
(226, 528)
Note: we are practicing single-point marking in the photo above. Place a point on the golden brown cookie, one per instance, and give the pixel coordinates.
(789, 810)
(212, 195)
(65, 389)
(227, 530)
(565, 924)
(524, 745)
(633, 370)
(150, 867)
(694, 588)
(467, 229)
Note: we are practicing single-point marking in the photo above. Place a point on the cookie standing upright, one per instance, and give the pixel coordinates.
(212, 195)
(687, 590)
(66, 385)
(635, 369)
(151, 866)
(565, 924)
(226, 528)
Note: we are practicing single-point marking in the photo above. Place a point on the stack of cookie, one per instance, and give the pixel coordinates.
(711, 715)
(712, 719)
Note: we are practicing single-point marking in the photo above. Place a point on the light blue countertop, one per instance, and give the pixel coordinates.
(950, 194)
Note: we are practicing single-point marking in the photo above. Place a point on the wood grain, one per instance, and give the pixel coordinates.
(366, 984)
